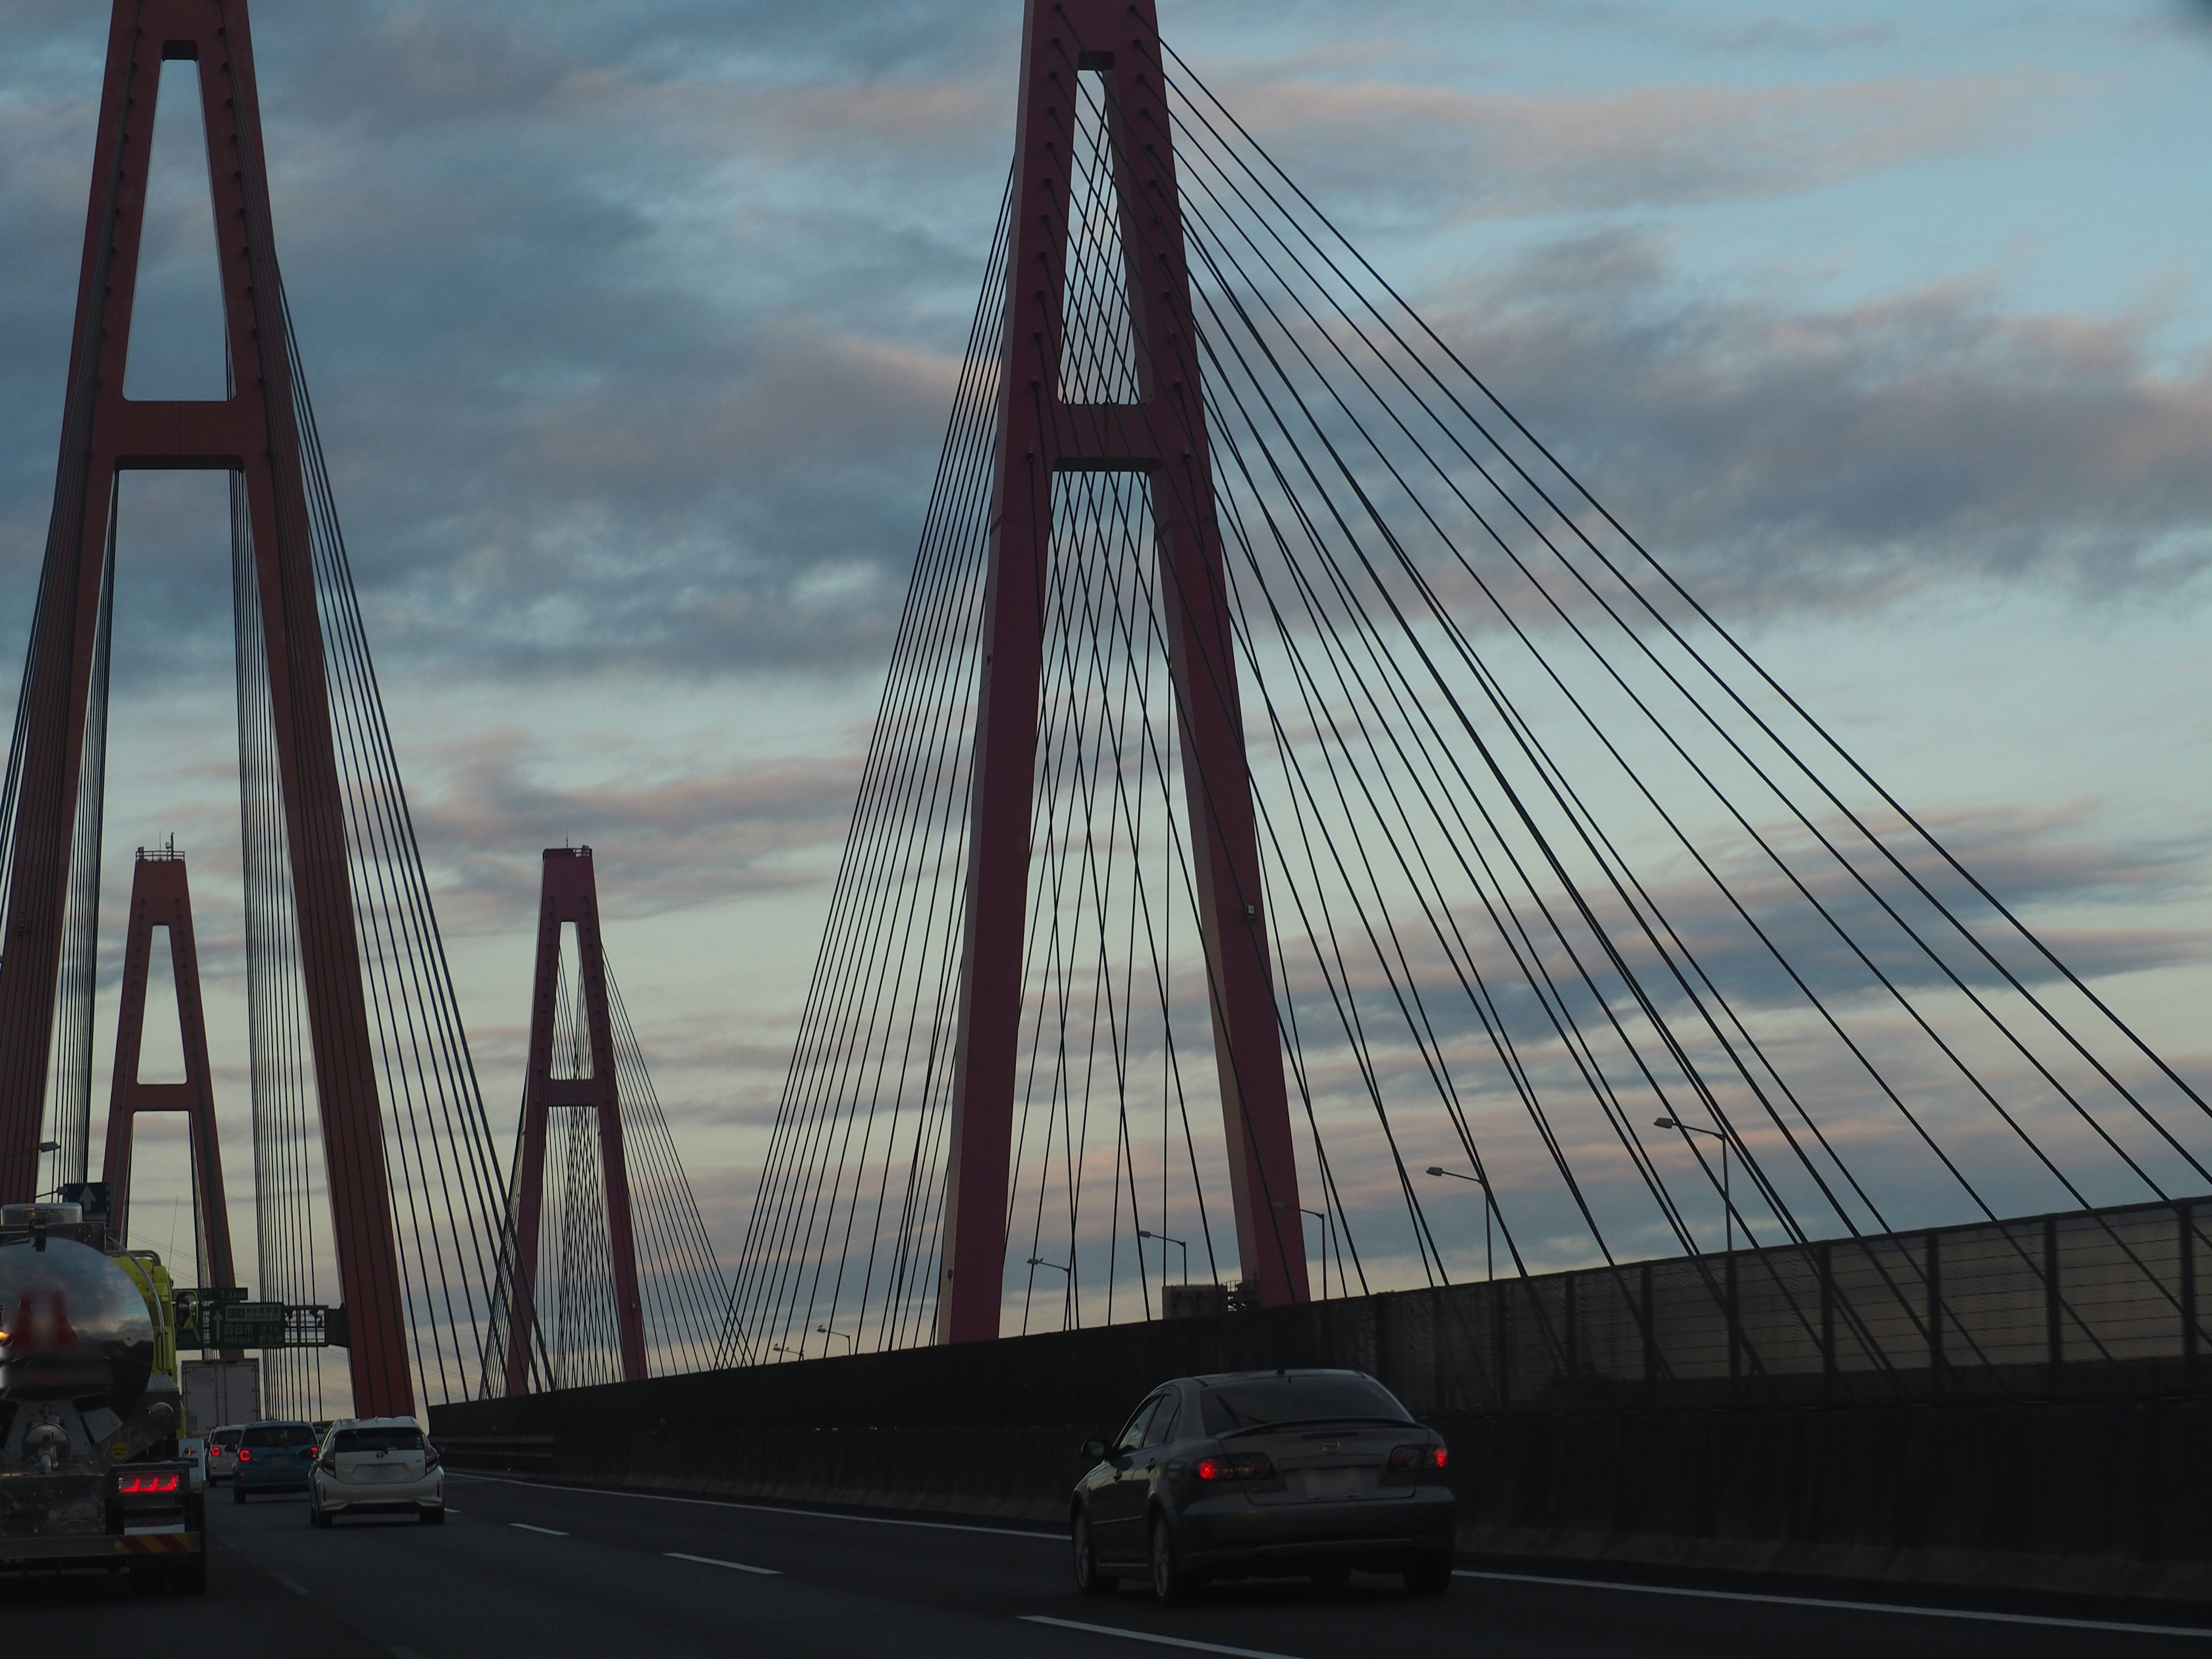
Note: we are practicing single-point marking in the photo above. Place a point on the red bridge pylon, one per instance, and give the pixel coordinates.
(1162, 435)
(161, 896)
(570, 894)
(254, 435)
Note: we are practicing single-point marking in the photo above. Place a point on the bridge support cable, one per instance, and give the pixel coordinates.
(1542, 853)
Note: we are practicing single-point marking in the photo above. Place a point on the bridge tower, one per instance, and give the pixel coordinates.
(1163, 436)
(160, 897)
(255, 435)
(569, 896)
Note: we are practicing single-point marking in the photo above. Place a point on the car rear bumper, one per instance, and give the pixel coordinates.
(393, 1498)
(273, 1483)
(1381, 1532)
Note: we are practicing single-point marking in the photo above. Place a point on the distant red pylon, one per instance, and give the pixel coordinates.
(161, 896)
(570, 894)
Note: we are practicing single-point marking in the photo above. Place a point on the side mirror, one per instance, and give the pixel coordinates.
(1094, 1451)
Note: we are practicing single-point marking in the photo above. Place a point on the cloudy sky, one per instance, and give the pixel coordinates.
(632, 327)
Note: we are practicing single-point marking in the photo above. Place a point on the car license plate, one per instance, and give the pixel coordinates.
(1332, 1483)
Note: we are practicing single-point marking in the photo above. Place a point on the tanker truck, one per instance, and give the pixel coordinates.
(89, 1411)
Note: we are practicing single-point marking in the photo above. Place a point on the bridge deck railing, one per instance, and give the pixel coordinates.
(2084, 1304)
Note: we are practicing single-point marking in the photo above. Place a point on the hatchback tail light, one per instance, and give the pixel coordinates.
(244, 1456)
(430, 1457)
(1247, 1466)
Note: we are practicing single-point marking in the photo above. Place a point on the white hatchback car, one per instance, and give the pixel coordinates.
(376, 1466)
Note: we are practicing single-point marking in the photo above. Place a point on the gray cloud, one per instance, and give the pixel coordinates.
(1778, 455)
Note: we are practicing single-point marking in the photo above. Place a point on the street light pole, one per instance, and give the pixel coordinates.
(826, 1331)
(1327, 1242)
(1727, 1205)
(1164, 1239)
(1489, 1203)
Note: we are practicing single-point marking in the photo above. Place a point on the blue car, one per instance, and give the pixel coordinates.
(273, 1456)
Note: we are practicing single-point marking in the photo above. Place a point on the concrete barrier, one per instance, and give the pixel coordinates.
(1668, 1414)
(2101, 1497)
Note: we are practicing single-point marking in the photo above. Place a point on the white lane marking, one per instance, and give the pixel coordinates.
(714, 1561)
(1850, 1607)
(291, 1585)
(524, 1526)
(773, 1509)
(1146, 1636)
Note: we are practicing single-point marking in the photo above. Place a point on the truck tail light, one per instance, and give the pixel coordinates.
(129, 1484)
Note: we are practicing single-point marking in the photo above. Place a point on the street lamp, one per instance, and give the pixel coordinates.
(1728, 1209)
(1489, 1203)
(1327, 1242)
(826, 1331)
(1164, 1239)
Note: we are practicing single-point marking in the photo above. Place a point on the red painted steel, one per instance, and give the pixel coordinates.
(1162, 435)
(253, 432)
(161, 896)
(570, 893)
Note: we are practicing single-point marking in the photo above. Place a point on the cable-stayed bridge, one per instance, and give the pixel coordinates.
(1293, 788)
(1308, 847)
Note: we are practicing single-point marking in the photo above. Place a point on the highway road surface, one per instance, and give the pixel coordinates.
(523, 1571)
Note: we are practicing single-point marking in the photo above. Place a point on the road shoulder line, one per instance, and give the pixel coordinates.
(768, 1508)
(716, 1561)
(2200, 1632)
(1128, 1635)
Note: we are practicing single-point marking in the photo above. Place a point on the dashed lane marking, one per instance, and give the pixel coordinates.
(776, 1509)
(291, 1585)
(1850, 1607)
(524, 1526)
(1147, 1636)
(715, 1561)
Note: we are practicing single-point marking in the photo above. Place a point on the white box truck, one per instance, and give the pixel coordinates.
(220, 1391)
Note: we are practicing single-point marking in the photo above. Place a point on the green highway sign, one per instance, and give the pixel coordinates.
(247, 1325)
(198, 1309)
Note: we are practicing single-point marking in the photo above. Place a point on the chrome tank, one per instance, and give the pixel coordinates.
(73, 1327)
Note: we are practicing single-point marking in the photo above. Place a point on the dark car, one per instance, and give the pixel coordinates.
(273, 1456)
(1259, 1472)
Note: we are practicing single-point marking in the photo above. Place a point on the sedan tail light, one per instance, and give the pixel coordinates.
(1408, 1458)
(1247, 1466)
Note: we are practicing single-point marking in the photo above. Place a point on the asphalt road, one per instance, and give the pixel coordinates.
(525, 1571)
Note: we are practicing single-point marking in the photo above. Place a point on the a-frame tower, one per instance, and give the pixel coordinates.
(161, 898)
(1163, 436)
(254, 435)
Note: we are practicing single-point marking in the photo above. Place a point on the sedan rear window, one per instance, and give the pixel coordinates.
(374, 1440)
(281, 1434)
(1258, 1401)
